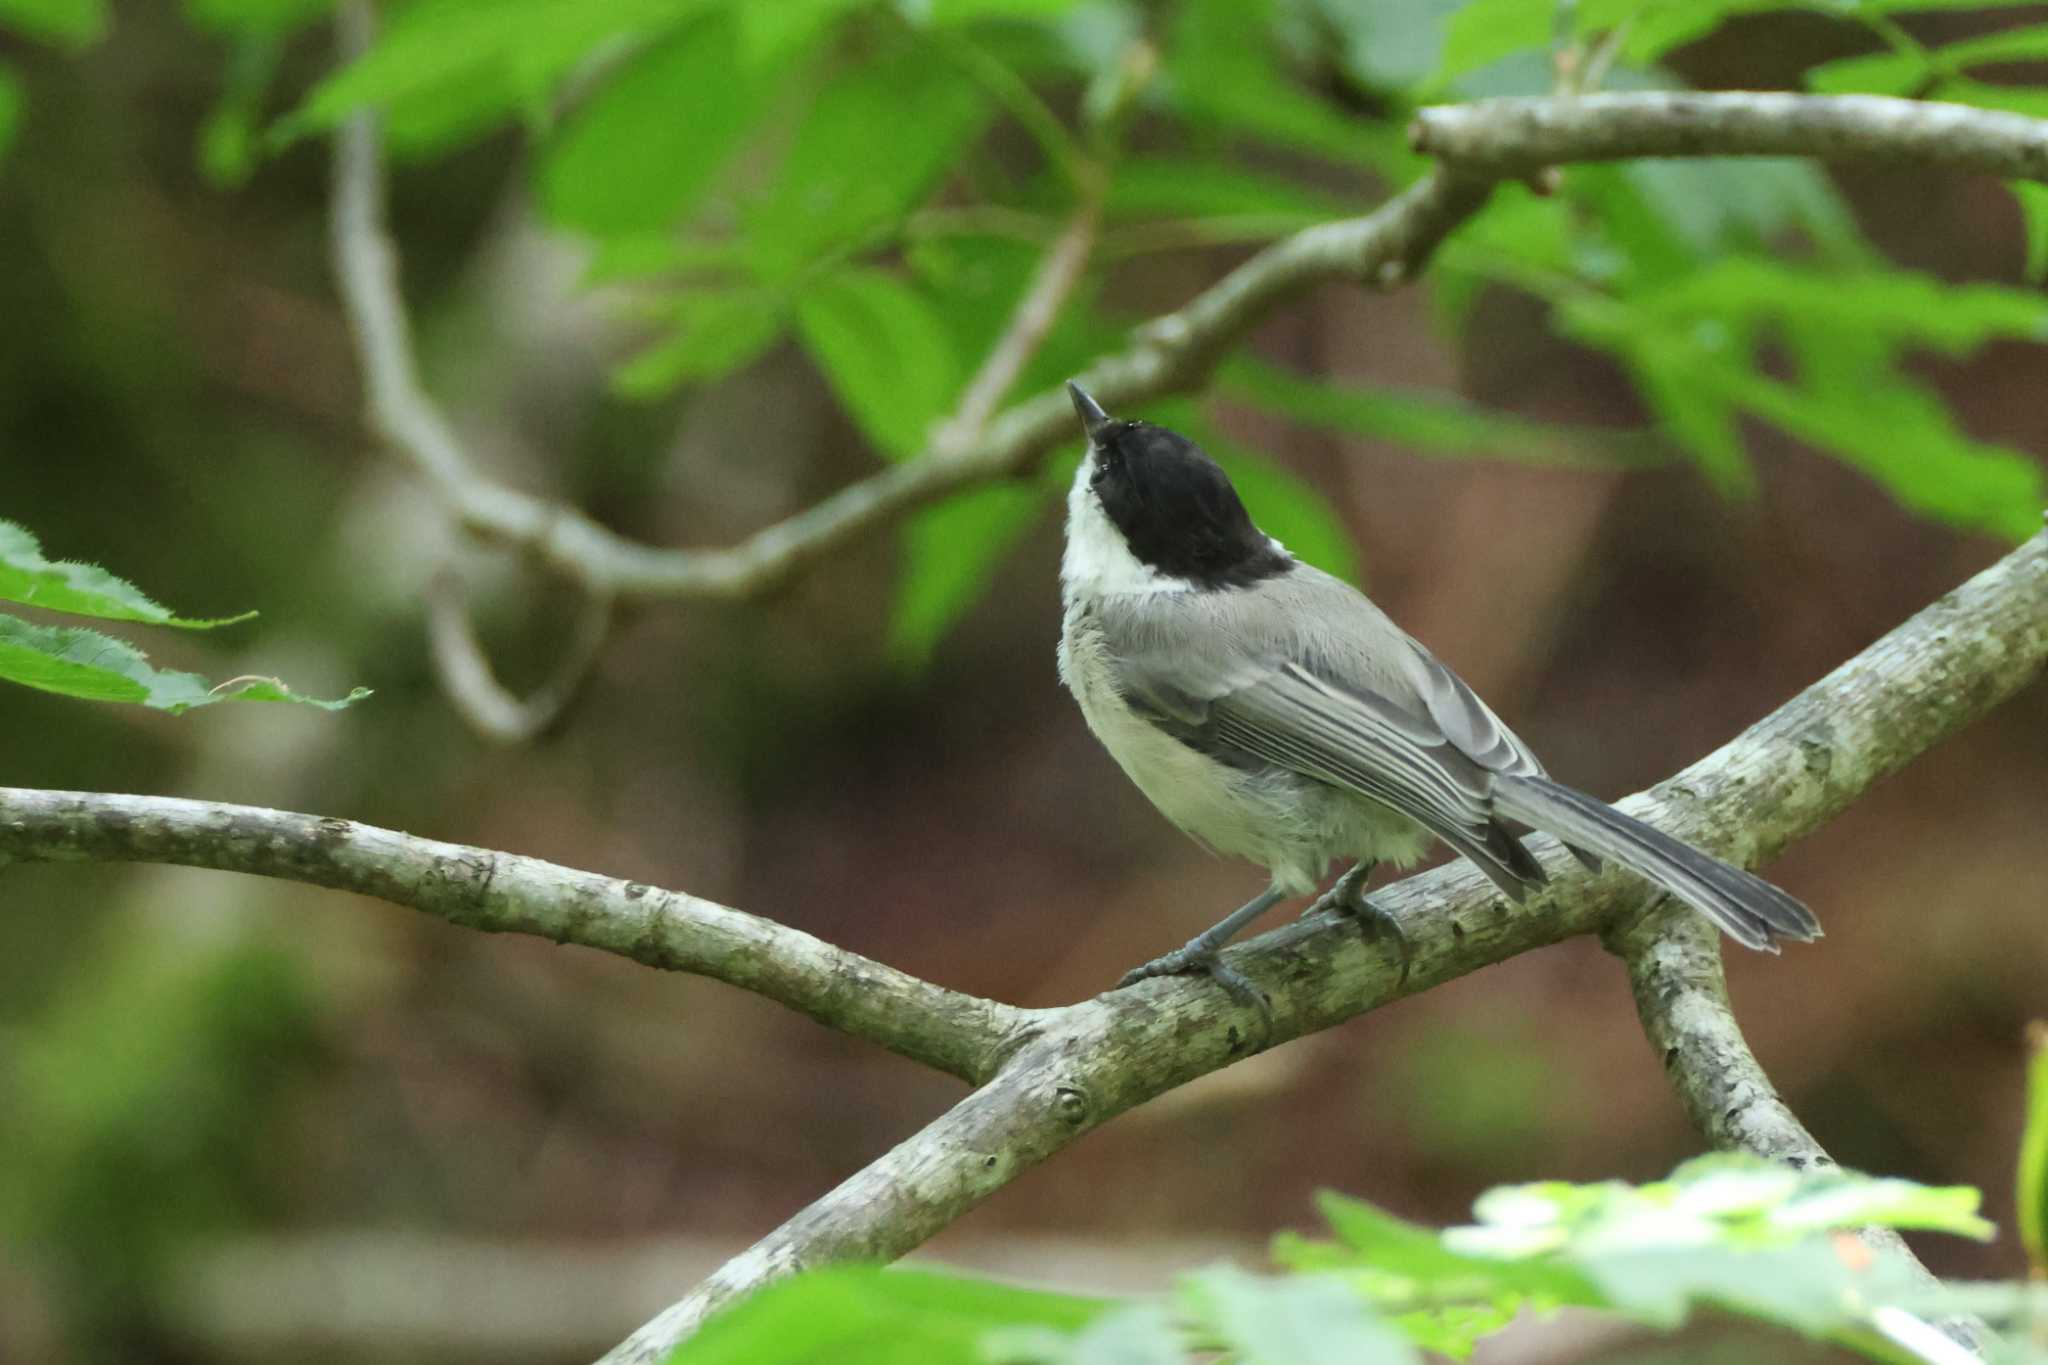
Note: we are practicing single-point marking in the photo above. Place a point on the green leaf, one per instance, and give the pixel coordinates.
(255, 18)
(81, 589)
(1484, 31)
(950, 551)
(841, 183)
(1139, 1333)
(1655, 27)
(1225, 69)
(1876, 73)
(1192, 187)
(74, 24)
(886, 351)
(446, 70)
(84, 663)
(870, 1316)
(715, 332)
(2033, 201)
(1699, 420)
(639, 153)
(1428, 421)
(10, 109)
(771, 32)
(2031, 1188)
(968, 11)
(1298, 1320)
(229, 138)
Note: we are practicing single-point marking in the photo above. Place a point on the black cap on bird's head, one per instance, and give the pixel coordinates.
(1174, 506)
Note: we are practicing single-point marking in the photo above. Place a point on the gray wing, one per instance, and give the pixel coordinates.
(1304, 673)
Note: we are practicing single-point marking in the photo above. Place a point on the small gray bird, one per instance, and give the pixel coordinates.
(1277, 715)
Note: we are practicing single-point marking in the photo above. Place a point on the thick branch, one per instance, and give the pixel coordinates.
(506, 893)
(1780, 779)
(1515, 136)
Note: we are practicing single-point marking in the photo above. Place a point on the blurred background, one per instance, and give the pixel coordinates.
(239, 1117)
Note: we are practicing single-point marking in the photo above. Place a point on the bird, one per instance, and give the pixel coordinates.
(1275, 714)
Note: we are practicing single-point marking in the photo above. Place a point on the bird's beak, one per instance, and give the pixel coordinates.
(1093, 418)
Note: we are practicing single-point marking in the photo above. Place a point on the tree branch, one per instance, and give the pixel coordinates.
(474, 690)
(1514, 136)
(1051, 1075)
(479, 888)
(1778, 780)
(1681, 991)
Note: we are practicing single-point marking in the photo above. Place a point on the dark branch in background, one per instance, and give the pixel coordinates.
(474, 690)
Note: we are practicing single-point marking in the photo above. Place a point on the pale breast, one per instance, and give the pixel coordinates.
(1290, 825)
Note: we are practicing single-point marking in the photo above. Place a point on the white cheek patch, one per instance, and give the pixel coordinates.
(1097, 562)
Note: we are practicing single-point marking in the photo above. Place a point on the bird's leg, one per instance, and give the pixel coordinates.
(1347, 897)
(1199, 954)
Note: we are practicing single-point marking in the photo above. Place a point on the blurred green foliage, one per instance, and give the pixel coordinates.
(877, 179)
(130, 1124)
(1740, 1235)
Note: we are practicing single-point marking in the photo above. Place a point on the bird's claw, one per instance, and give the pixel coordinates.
(1192, 961)
(1348, 898)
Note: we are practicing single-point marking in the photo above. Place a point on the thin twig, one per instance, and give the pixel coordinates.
(472, 686)
(1034, 316)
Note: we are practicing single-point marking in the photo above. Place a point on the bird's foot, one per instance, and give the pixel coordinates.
(1196, 959)
(1348, 898)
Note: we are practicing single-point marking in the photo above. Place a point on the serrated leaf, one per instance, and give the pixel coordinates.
(885, 350)
(715, 332)
(80, 589)
(639, 153)
(1428, 421)
(1484, 31)
(840, 182)
(75, 662)
(1299, 1320)
(877, 1317)
(74, 24)
(2030, 1189)
(950, 551)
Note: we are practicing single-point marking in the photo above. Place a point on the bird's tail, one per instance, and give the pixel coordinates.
(1749, 909)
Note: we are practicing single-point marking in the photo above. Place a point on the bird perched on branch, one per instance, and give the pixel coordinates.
(1275, 714)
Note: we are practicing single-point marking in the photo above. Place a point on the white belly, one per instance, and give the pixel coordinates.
(1290, 825)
